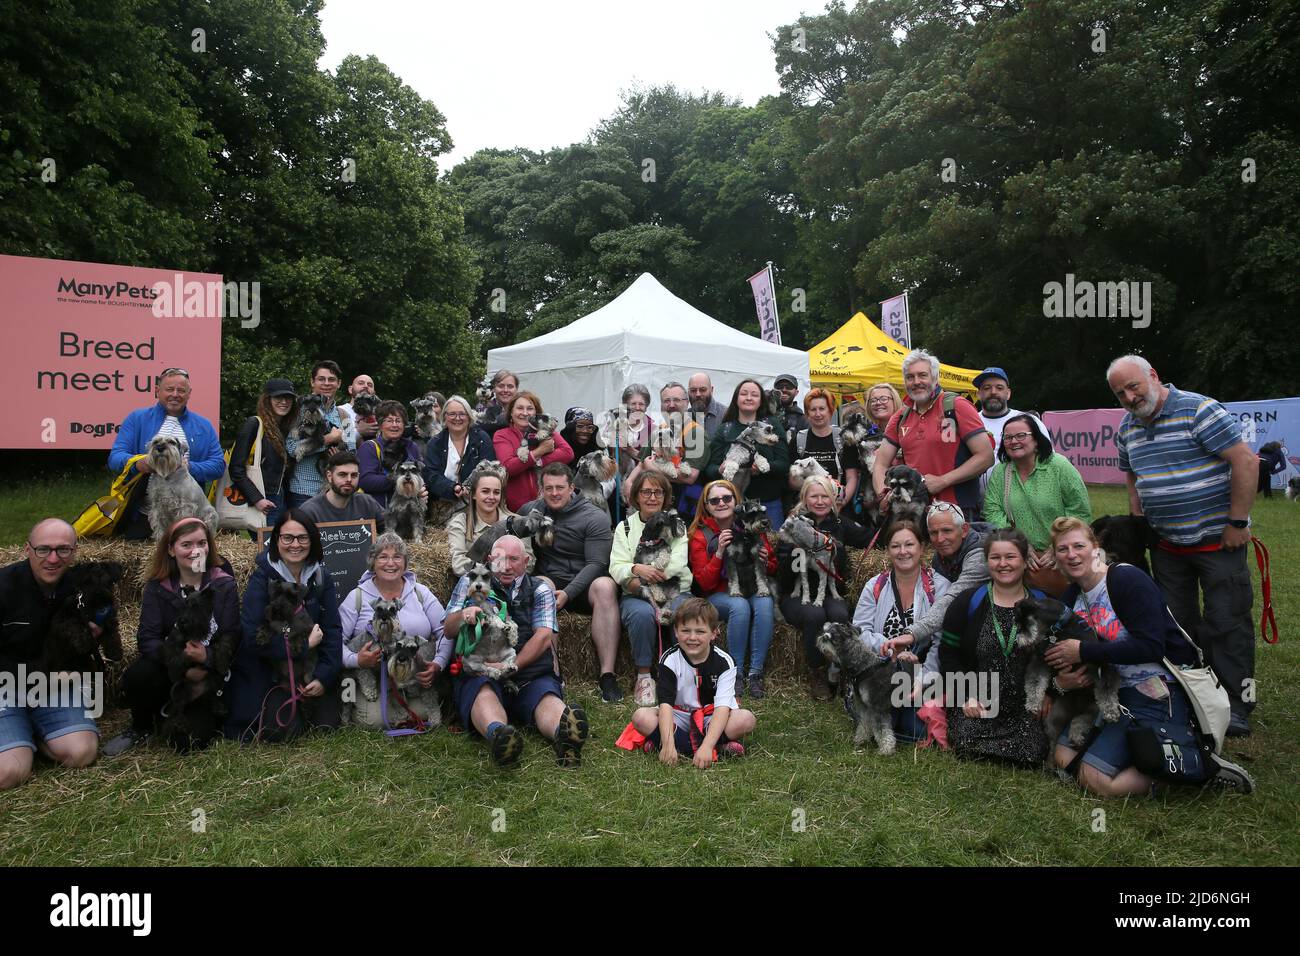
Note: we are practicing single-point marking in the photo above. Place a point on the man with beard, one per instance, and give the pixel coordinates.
(995, 408)
(368, 427)
(937, 433)
(339, 500)
(707, 412)
(1190, 473)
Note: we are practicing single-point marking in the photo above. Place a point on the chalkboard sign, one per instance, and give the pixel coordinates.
(347, 547)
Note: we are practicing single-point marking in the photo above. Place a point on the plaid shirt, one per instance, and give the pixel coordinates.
(543, 602)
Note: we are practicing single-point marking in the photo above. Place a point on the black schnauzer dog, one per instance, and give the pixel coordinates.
(746, 569)
(286, 619)
(69, 645)
(1125, 538)
(908, 497)
(195, 710)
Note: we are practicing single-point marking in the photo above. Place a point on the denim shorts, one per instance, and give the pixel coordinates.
(1171, 719)
(23, 726)
(518, 707)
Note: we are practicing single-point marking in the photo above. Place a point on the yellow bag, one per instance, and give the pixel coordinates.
(102, 517)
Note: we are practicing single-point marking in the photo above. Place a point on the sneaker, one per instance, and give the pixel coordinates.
(1238, 726)
(648, 746)
(570, 734)
(1230, 776)
(756, 686)
(732, 748)
(644, 695)
(506, 746)
(609, 691)
(125, 741)
(740, 685)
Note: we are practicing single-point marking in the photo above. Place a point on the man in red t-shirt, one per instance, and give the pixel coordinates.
(951, 451)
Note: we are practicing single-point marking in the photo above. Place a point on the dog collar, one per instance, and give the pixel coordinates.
(1066, 614)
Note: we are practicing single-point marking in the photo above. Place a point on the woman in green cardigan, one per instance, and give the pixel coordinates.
(768, 487)
(1029, 488)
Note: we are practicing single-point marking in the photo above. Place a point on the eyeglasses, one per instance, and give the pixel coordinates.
(1018, 436)
(722, 500)
(64, 551)
(651, 493)
(393, 420)
(946, 507)
(456, 415)
(173, 371)
(295, 539)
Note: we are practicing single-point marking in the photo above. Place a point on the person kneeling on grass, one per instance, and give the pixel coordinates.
(534, 694)
(697, 713)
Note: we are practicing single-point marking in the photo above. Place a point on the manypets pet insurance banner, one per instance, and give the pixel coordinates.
(83, 342)
(1087, 437)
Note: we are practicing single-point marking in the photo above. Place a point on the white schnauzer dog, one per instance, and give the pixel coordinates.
(744, 457)
(173, 493)
(656, 549)
(311, 428)
(590, 474)
(746, 569)
(426, 423)
(868, 684)
(812, 554)
(1043, 622)
(806, 468)
(406, 511)
(908, 497)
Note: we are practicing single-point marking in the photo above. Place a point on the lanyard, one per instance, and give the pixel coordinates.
(1006, 642)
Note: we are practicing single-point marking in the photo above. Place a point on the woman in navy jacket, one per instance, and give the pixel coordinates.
(260, 704)
(468, 442)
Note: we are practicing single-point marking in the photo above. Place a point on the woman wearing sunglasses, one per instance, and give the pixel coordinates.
(749, 620)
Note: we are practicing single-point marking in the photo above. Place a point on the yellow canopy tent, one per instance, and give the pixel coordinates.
(858, 354)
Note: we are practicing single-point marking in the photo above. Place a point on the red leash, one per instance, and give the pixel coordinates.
(1266, 588)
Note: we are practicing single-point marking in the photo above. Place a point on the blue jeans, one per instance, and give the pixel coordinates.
(642, 627)
(775, 512)
(749, 623)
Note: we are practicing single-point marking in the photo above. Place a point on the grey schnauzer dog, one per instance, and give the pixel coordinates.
(535, 524)
(655, 549)
(744, 457)
(868, 684)
(426, 423)
(812, 554)
(1042, 622)
(591, 472)
(540, 429)
(383, 632)
(665, 448)
(364, 406)
(908, 497)
(406, 511)
(806, 468)
(857, 432)
(311, 428)
(173, 493)
(746, 569)
(488, 466)
(494, 654)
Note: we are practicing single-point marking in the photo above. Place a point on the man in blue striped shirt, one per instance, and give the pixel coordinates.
(1194, 478)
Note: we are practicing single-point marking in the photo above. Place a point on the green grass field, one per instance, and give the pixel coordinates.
(801, 796)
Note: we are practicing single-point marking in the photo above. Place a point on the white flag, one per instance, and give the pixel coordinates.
(765, 301)
(894, 320)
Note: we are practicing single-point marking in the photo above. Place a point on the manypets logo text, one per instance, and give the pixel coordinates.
(105, 290)
(35, 689)
(77, 909)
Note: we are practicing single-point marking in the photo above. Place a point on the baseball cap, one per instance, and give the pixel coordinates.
(785, 378)
(992, 372)
(276, 387)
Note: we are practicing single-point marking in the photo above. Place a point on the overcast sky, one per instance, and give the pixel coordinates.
(512, 73)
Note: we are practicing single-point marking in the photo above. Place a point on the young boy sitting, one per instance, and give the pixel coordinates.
(697, 713)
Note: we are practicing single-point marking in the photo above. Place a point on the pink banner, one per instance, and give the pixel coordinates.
(83, 344)
(1087, 438)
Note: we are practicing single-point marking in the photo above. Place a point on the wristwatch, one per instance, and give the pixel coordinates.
(1242, 523)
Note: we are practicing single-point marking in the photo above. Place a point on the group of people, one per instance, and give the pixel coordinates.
(1009, 519)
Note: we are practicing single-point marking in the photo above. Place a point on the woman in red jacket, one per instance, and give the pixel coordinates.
(517, 435)
(749, 620)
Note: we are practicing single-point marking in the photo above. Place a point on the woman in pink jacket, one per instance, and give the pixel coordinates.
(523, 456)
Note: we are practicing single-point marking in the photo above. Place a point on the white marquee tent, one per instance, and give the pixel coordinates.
(646, 335)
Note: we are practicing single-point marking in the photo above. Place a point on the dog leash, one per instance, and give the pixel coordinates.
(1266, 589)
(389, 730)
(884, 502)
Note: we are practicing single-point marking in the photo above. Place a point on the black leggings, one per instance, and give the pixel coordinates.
(809, 618)
(148, 690)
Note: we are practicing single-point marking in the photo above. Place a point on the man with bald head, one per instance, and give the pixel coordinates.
(707, 412)
(30, 592)
(1190, 473)
(499, 710)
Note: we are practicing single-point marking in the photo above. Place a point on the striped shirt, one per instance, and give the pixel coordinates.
(1183, 484)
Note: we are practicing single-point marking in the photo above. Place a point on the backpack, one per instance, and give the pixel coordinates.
(927, 584)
